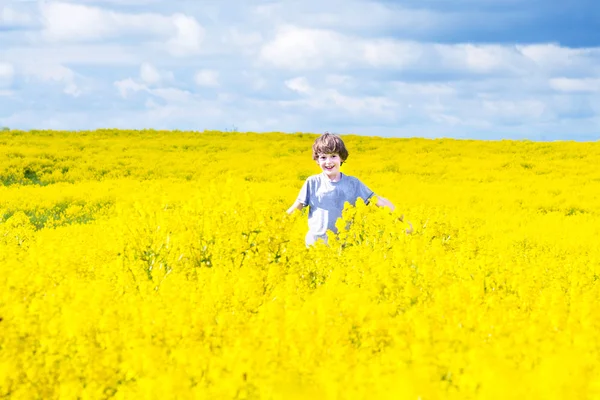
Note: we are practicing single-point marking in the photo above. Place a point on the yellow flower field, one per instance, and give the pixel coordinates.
(162, 265)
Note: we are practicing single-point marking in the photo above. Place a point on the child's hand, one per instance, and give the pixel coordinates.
(296, 206)
(409, 230)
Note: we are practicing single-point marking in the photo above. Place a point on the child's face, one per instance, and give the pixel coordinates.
(330, 164)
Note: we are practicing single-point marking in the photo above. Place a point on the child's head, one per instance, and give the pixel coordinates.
(329, 143)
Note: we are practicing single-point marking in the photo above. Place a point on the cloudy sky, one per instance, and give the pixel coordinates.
(482, 69)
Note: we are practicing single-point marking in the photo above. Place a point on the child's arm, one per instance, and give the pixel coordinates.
(383, 202)
(297, 206)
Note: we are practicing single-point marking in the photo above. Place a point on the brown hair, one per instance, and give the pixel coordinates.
(329, 143)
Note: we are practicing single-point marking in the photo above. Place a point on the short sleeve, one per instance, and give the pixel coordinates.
(304, 193)
(364, 192)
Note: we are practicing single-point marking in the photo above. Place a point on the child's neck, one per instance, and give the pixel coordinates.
(335, 178)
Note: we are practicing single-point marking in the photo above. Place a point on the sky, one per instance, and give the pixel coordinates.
(465, 69)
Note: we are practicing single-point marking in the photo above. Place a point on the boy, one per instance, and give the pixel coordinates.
(327, 192)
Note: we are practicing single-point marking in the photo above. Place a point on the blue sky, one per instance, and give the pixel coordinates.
(481, 69)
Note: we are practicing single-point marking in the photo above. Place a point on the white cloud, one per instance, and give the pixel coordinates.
(150, 103)
(54, 73)
(170, 95)
(188, 37)
(480, 58)
(549, 53)
(515, 109)
(149, 74)
(127, 86)
(7, 72)
(332, 99)
(12, 17)
(359, 106)
(173, 95)
(423, 89)
(298, 48)
(120, 2)
(391, 53)
(590, 85)
(446, 119)
(299, 84)
(453, 105)
(67, 22)
(72, 90)
(295, 48)
(552, 57)
(206, 77)
(353, 15)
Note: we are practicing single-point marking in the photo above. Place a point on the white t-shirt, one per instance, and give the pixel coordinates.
(326, 202)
